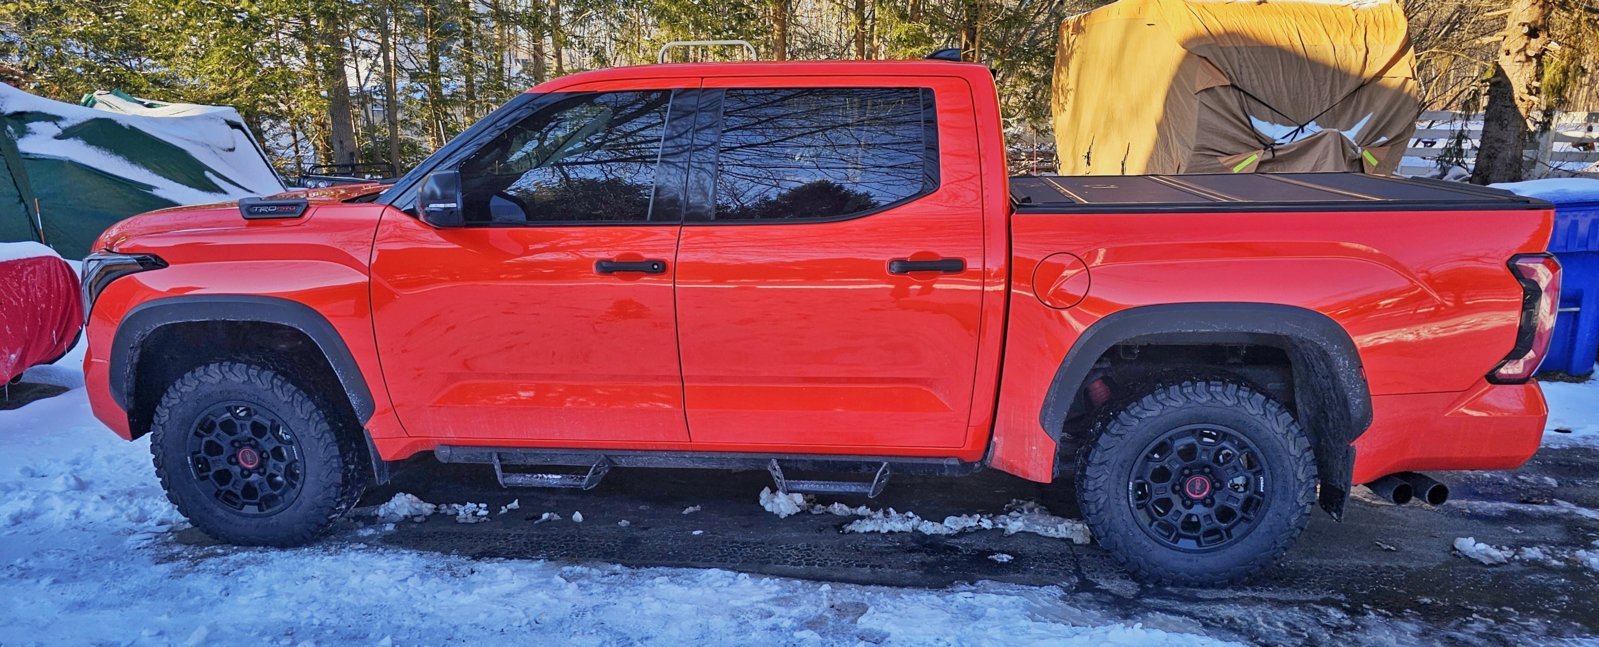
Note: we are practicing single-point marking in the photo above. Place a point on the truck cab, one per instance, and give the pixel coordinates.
(824, 267)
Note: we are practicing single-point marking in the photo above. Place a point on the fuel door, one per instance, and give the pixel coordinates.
(1061, 280)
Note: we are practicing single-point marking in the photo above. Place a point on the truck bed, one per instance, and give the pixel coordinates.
(1254, 192)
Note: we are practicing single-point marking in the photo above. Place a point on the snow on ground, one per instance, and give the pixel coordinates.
(90, 552)
(1573, 413)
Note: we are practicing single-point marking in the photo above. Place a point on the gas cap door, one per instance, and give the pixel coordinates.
(1061, 280)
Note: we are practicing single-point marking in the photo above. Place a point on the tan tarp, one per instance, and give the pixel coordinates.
(1184, 86)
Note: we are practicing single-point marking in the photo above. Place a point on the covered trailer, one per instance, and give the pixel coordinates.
(69, 171)
(1218, 86)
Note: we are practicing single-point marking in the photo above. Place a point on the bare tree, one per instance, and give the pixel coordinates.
(1515, 108)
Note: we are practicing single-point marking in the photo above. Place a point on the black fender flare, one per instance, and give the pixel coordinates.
(1333, 398)
(145, 318)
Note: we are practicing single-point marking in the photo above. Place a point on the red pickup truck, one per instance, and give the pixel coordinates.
(823, 268)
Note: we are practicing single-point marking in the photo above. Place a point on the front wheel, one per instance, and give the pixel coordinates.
(249, 458)
(1199, 483)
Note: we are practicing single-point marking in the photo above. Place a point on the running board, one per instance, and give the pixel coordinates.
(871, 489)
(588, 481)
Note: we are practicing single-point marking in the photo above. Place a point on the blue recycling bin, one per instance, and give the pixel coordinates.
(1575, 242)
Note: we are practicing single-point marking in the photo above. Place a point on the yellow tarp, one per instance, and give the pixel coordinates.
(1185, 86)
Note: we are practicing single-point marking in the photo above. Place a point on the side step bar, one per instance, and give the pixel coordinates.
(871, 490)
(588, 481)
(593, 466)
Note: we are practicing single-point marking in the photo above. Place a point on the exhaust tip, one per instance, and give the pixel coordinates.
(1402, 494)
(1436, 495)
(1393, 488)
(1429, 489)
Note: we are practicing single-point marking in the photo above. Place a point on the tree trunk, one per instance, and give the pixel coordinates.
(435, 75)
(341, 121)
(780, 30)
(468, 22)
(970, 17)
(859, 14)
(557, 38)
(391, 92)
(539, 68)
(1514, 113)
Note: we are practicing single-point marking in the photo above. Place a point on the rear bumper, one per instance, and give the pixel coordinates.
(1489, 427)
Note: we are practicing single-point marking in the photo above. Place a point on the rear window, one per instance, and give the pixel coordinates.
(823, 153)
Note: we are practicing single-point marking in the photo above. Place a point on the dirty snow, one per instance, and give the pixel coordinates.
(692, 509)
(1019, 516)
(1544, 556)
(91, 552)
(404, 506)
(515, 504)
(1470, 548)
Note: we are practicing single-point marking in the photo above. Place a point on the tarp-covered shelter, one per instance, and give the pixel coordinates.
(1218, 86)
(69, 171)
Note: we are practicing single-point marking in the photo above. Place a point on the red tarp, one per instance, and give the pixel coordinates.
(40, 311)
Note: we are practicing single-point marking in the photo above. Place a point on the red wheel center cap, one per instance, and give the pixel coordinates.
(248, 458)
(1196, 487)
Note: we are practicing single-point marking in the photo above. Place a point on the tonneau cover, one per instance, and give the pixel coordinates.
(1255, 192)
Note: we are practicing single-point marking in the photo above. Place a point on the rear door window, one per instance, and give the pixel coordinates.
(809, 154)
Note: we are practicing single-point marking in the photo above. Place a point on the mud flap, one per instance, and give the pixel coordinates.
(1335, 465)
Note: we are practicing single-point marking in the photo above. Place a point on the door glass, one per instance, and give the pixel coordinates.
(588, 158)
(823, 153)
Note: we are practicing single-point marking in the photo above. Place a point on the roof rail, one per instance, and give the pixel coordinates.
(686, 44)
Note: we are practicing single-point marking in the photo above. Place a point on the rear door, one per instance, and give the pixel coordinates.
(549, 318)
(829, 269)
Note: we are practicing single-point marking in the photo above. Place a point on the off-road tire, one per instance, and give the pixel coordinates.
(331, 478)
(1106, 477)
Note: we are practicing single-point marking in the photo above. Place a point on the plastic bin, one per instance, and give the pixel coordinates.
(1576, 243)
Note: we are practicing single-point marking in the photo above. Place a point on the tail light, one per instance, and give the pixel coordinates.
(1539, 275)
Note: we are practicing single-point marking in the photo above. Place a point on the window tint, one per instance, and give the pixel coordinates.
(819, 153)
(586, 158)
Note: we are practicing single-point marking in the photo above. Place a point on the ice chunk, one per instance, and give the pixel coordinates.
(1470, 548)
(466, 512)
(404, 506)
(782, 504)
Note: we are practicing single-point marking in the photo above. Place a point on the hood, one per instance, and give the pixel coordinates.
(216, 216)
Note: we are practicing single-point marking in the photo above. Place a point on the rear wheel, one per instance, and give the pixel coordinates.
(1198, 483)
(250, 458)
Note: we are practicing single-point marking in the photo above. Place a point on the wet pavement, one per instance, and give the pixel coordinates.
(1385, 575)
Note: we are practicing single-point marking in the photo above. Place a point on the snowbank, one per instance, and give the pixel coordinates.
(1573, 413)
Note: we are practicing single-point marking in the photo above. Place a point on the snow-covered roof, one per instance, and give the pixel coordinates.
(1564, 190)
(215, 137)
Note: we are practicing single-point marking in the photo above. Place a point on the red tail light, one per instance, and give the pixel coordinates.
(1539, 275)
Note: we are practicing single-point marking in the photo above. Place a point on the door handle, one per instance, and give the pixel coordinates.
(945, 265)
(645, 267)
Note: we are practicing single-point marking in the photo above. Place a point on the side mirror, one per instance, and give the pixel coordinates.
(440, 201)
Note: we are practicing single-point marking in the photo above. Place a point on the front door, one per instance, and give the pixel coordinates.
(829, 293)
(550, 316)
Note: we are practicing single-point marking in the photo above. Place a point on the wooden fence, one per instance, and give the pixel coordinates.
(1442, 138)
(1445, 139)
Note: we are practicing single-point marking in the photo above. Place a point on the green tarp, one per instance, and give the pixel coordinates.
(68, 172)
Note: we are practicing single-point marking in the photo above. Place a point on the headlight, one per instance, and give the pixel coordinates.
(101, 268)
